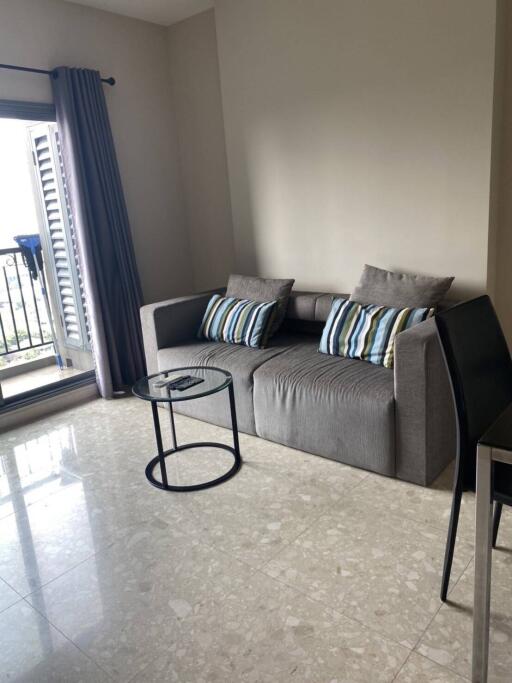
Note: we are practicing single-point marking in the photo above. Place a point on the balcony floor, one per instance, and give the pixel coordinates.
(32, 379)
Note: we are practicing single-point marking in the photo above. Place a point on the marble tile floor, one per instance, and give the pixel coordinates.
(297, 569)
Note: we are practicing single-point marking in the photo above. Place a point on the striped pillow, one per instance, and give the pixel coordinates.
(237, 321)
(367, 332)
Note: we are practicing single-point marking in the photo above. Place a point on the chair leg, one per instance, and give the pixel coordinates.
(483, 565)
(496, 522)
(452, 535)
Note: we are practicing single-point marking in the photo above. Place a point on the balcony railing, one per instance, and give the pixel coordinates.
(23, 320)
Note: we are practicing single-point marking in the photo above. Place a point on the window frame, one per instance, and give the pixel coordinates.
(28, 111)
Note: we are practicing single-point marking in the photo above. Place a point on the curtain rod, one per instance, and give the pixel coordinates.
(110, 81)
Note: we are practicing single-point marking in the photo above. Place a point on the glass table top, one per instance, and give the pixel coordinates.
(156, 387)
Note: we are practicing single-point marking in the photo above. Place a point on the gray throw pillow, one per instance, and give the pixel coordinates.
(262, 289)
(399, 290)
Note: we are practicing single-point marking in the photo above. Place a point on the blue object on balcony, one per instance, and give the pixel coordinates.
(30, 246)
(31, 251)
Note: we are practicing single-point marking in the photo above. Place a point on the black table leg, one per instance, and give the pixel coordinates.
(234, 423)
(173, 427)
(158, 436)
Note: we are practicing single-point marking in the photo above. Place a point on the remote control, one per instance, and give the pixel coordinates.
(172, 383)
(187, 382)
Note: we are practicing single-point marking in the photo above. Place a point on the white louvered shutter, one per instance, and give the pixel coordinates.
(59, 234)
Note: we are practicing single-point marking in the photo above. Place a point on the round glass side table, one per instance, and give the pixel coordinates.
(156, 389)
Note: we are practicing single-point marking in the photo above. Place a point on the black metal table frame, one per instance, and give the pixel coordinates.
(163, 454)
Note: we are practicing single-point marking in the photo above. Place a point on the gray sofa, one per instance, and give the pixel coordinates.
(396, 422)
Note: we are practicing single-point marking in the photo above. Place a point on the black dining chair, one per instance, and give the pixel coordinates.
(480, 370)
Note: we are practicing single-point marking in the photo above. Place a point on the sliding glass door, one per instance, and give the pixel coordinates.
(44, 338)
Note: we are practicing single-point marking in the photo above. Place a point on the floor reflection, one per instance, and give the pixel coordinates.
(36, 468)
(35, 538)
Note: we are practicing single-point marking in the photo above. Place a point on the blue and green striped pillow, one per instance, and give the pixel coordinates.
(367, 332)
(237, 321)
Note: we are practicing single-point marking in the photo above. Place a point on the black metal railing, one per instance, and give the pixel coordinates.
(23, 320)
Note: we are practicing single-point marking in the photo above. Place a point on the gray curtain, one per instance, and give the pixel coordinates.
(107, 259)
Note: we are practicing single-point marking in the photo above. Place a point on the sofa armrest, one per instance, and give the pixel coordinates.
(171, 322)
(424, 411)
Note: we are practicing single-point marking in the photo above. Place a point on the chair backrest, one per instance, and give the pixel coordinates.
(480, 369)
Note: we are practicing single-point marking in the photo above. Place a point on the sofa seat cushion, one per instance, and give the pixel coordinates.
(240, 361)
(336, 407)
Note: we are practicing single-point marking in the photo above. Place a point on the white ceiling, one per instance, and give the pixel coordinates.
(164, 12)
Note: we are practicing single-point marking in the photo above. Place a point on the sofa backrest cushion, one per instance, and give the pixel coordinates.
(307, 312)
(399, 290)
(263, 290)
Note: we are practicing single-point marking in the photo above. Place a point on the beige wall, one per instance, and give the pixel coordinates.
(196, 93)
(500, 267)
(358, 131)
(47, 33)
